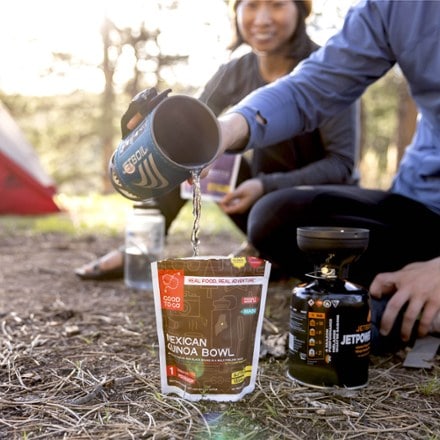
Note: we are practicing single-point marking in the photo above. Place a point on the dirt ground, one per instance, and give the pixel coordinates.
(79, 360)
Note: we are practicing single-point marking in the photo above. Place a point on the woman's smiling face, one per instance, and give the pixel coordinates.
(267, 25)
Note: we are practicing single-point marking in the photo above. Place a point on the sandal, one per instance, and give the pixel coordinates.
(100, 269)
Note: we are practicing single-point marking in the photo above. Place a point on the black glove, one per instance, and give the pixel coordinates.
(144, 102)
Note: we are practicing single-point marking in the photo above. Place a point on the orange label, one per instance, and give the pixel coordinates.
(171, 289)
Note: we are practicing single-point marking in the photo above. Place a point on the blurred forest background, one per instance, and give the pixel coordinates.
(75, 133)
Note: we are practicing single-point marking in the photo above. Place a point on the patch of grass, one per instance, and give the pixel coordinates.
(80, 214)
(212, 220)
(35, 224)
(96, 213)
(107, 214)
(430, 387)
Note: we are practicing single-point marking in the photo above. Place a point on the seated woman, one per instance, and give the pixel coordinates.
(275, 32)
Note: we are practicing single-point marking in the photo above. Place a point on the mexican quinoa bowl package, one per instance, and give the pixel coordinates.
(209, 314)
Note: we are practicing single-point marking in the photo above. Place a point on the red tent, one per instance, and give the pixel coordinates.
(25, 188)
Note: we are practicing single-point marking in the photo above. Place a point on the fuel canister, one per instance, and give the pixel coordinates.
(330, 319)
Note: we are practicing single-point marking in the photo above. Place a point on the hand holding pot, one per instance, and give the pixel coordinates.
(140, 107)
(178, 135)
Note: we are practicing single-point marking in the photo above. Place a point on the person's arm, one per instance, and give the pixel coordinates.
(234, 132)
(340, 137)
(418, 285)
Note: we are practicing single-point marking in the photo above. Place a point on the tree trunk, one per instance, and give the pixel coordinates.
(108, 100)
(407, 119)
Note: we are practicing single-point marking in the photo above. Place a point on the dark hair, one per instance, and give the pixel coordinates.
(301, 45)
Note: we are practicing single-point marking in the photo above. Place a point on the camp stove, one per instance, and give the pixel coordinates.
(330, 320)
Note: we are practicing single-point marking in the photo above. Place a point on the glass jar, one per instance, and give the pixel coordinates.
(144, 243)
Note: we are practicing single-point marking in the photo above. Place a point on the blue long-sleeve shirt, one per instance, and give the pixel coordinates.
(376, 35)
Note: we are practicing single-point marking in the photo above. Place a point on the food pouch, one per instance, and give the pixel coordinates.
(209, 314)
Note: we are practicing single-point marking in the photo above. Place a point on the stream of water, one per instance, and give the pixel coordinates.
(197, 208)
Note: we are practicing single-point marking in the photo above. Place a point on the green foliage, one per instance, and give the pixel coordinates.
(63, 131)
(66, 130)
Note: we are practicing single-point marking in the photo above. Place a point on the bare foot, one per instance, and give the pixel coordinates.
(109, 266)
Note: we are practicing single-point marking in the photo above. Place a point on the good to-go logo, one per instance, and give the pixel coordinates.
(171, 289)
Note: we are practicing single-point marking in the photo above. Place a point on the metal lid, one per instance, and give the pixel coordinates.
(331, 238)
